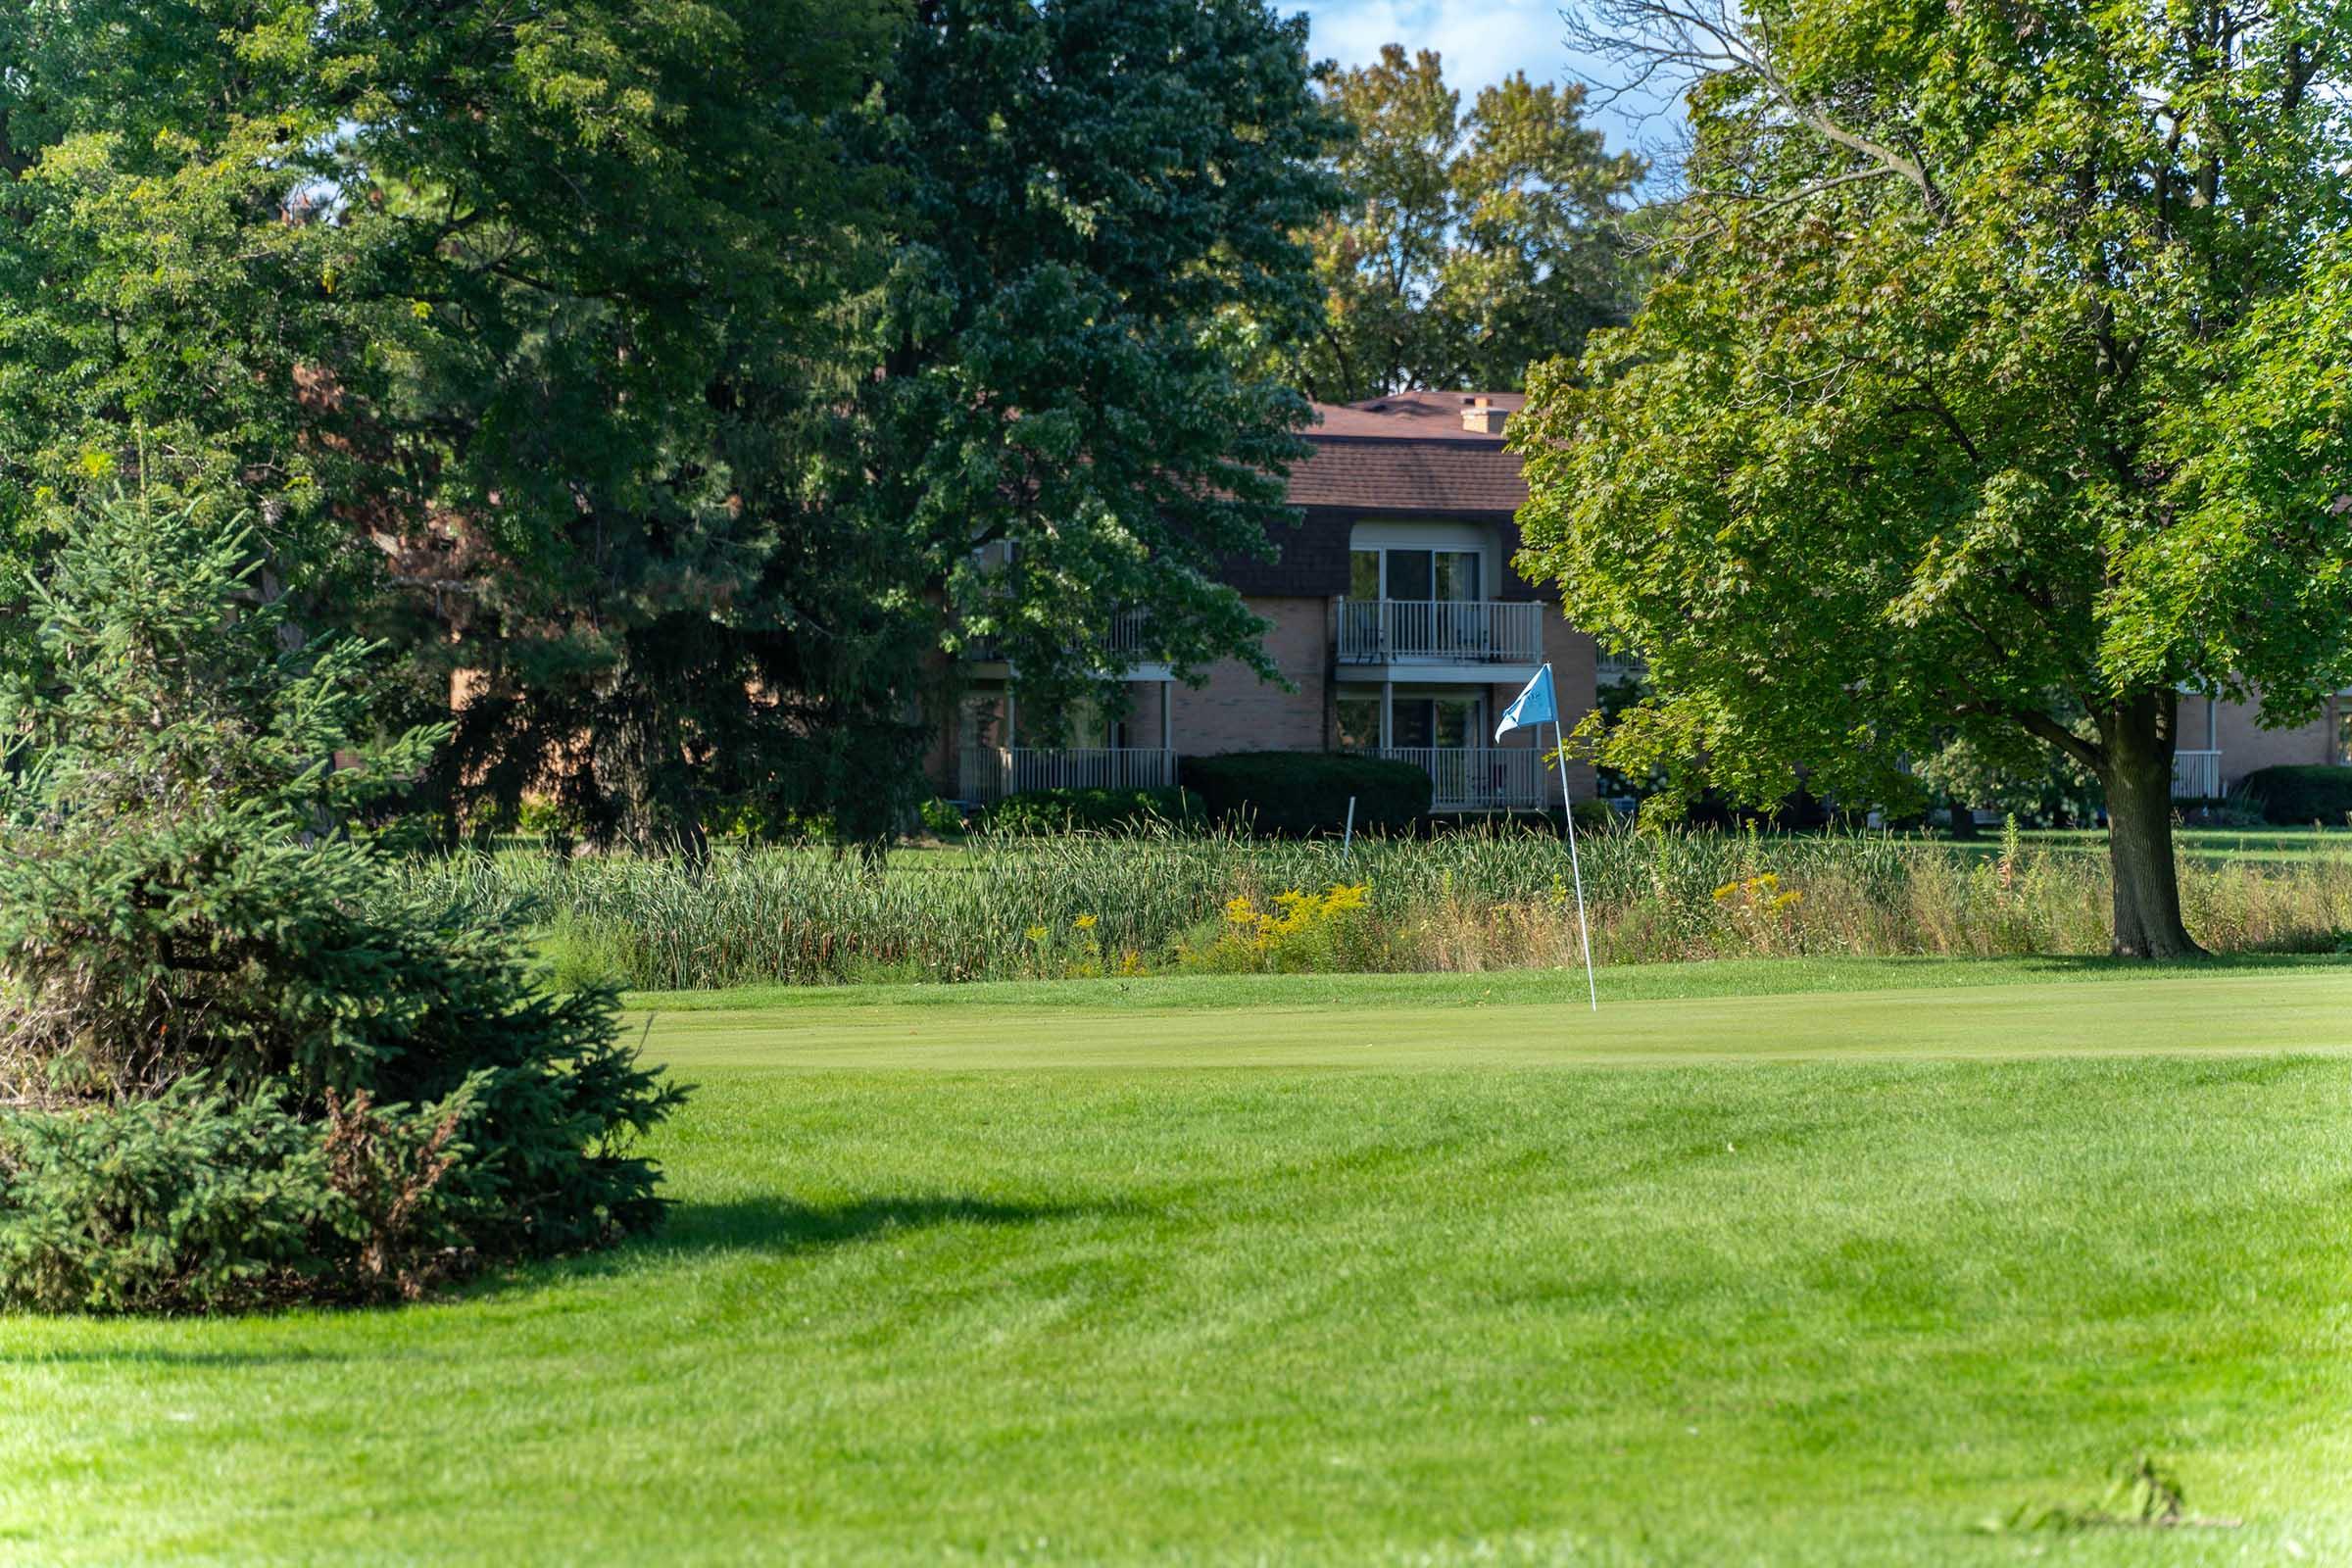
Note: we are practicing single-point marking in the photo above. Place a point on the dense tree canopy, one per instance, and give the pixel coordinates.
(648, 371)
(453, 298)
(1058, 434)
(1471, 244)
(1997, 380)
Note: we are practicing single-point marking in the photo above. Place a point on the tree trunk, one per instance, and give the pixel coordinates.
(1964, 818)
(2137, 775)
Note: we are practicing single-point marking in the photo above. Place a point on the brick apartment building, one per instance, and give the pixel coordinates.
(1392, 610)
(1395, 614)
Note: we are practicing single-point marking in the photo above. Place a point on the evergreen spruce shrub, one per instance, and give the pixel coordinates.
(241, 1062)
(2293, 795)
(1039, 811)
(1296, 792)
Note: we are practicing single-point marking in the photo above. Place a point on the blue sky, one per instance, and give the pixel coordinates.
(1482, 41)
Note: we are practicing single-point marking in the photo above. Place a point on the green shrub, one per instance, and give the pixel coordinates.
(1038, 811)
(1293, 793)
(2296, 795)
(178, 901)
(941, 818)
(187, 1199)
(196, 1200)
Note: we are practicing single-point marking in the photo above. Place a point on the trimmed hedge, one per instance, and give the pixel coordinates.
(2294, 794)
(1034, 812)
(1307, 791)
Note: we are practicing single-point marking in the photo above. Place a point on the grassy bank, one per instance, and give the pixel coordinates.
(1468, 902)
(1426, 1297)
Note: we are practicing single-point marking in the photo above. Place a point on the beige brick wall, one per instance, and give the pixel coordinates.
(1575, 659)
(2245, 746)
(1236, 711)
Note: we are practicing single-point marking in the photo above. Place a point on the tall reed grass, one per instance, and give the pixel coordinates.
(1473, 899)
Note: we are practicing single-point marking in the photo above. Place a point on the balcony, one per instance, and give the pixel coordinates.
(2196, 776)
(1479, 778)
(1126, 641)
(1463, 632)
(991, 772)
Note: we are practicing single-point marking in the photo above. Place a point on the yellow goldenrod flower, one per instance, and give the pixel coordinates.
(1084, 922)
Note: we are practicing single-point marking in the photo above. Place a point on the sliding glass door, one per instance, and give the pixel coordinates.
(1419, 576)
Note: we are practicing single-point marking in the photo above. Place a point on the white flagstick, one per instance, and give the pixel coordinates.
(1576, 870)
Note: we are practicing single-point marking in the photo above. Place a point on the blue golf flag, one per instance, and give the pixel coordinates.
(1532, 706)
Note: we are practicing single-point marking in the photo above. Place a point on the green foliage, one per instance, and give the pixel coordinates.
(188, 1201)
(177, 897)
(943, 818)
(546, 304)
(1082, 188)
(197, 1200)
(1469, 898)
(2010, 772)
(1034, 812)
(1307, 791)
(2295, 796)
(1332, 932)
(1997, 358)
(1595, 817)
(1471, 243)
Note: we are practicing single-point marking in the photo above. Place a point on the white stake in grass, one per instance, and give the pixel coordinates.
(1537, 704)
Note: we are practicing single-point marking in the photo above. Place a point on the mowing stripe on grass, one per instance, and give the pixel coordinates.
(2238, 1014)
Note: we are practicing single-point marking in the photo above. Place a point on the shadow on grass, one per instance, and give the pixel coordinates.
(148, 1356)
(778, 1226)
(2209, 964)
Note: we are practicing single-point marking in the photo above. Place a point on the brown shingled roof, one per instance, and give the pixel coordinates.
(1429, 415)
(1408, 453)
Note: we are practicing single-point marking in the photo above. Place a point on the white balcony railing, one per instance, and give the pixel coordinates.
(2196, 776)
(1479, 631)
(1614, 668)
(1126, 638)
(991, 773)
(1479, 778)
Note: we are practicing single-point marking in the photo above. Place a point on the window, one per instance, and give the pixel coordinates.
(1410, 574)
(2340, 746)
(1449, 723)
(1457, 574)
(1359, 723)
(1413, 575)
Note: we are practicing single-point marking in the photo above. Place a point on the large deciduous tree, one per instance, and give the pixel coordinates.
(1471, 244)
(1996, 379)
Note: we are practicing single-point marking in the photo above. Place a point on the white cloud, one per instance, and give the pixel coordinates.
(1482, 41)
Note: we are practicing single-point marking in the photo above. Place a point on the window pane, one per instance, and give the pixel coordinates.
(1359, 723)
(1363, 574)
(1457, 574)
(1409, 575)
(1415, 720)
(1456, 720)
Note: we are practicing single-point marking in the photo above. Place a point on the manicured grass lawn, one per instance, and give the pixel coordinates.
(2216, 844)
(1426, 1269)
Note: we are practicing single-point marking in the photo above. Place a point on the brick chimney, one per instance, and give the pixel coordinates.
(1480, 416)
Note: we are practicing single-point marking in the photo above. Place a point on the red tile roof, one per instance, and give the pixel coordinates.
(1408, 453)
